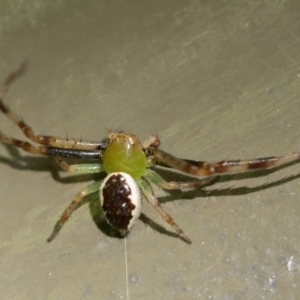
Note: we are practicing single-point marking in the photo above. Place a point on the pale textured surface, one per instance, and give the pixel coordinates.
(215, 80)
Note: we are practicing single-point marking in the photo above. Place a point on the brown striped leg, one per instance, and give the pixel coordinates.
(146, 189)
(205, 169)
(52, 141)
(52, 151)
(11, 77)
(91, 188)
(43, 150)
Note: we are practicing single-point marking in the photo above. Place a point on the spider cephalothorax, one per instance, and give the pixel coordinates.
(124, 153)
(126, 162)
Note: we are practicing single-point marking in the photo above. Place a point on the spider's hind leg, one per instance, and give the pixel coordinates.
(91, 188)
(146, 189)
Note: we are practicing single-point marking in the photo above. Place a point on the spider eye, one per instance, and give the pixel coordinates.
(124, 157)
(120, 201)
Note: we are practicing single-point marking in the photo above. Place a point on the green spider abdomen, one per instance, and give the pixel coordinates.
(122, 155)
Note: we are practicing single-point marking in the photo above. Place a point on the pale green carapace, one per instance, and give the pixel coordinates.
(121, 156)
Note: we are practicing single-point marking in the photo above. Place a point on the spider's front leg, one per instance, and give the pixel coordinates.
(205, 169)
(52, 141)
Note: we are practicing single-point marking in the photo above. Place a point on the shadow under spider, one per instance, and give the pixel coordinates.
(42, 164)
(221, 192)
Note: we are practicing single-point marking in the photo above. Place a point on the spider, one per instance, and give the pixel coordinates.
(126, 161)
